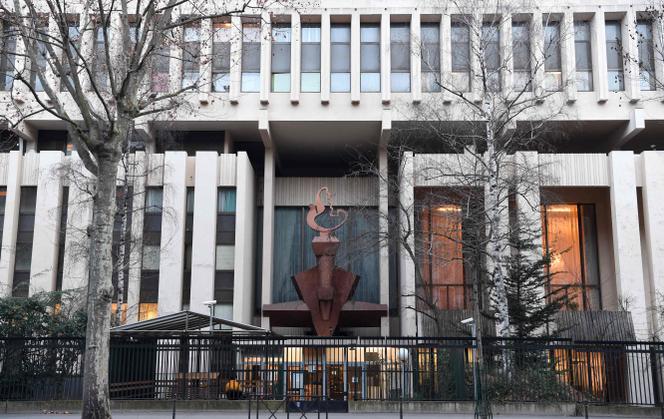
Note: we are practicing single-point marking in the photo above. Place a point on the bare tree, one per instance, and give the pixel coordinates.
(103, 65)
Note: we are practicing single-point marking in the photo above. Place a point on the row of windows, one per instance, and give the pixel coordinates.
(370, 56)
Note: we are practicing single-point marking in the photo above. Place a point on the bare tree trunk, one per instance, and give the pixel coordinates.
(121, 262)
(100, 293)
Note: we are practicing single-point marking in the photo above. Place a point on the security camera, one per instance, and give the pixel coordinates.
(469, 320)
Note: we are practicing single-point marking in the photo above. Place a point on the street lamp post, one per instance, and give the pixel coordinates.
(210, 305)
(403, 358)
(473, 331)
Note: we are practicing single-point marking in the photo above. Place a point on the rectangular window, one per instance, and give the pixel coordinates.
(310, 79)
(370, 58)
(221, 56)
(64, 210)
(149, 290)
(553, 70)
(24, 240)
(521, 56)
(461, 56)
(40, 62)
(491, 57)
(251, 56)
(646, 55)
(225, 252)
(400, 57)
(281, 58)
(73, 43)
(570, 236)
(3, 202)
(191, 54)
(583, 54)
(441, 256)
(340, 58)
(100, 65)
(7, 56)
(430, 57)
(614, 59)
(188, 240)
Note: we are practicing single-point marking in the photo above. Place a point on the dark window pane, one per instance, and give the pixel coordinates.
(370, 58)
(340, 58)
(311, 58)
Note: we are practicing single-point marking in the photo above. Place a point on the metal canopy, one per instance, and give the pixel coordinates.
(182, 321)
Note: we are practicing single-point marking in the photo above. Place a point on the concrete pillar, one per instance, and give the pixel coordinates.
(630, 41)
(626, 240)
(446, 55)
(204, 238)
(175, 64)
(407, 288)
(87, 47)
(268, 229)
(653, 217)
(415, 58)
(600, 72)
(266, 58)
(505, 29)
(44, 265)
(236, 60)
(325, 57)
(475, 64)
(568, 56)
(537, 53)
(139, 173)
(355, 53)
(243, 290)
(79, 218)
(173, 220)
(383, 227)
(10, 226)
(385, 60)
(296, 57)
(658, 33)
(205, 59)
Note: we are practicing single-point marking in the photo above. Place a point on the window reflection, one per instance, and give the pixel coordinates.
(570, 237)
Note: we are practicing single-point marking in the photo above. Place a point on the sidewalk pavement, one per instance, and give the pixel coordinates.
(280, 415)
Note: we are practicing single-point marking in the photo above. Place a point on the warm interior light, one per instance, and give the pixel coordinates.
(448, 208)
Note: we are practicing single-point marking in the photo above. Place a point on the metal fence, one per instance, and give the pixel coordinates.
(306, 369)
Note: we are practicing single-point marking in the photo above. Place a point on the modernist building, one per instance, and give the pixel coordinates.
(220, 192)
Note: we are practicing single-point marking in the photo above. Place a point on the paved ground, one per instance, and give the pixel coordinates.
(265, 415)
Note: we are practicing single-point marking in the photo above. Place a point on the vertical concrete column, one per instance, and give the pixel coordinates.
(204, 237)
(296, 54)
(87, 28)
(54, 33)
(173, 220)
(384, 233)
(44, 265)
(207, 37)
(568, 56)
(475, 54)
(528, 200)
(268, 229)
(10, 226)
(507, 70)
(325, 52)
(537, 52)
(600, 72)
(626, 240)
(138, 177)
(407, 287)
(243, 288)
(658, 33)
(176, 64)
(415, 57)
(385, 59)
(355, 57)
(446, 56)
(632, 72)
(79, 218)
(236, 60)
(266, 57)
(653, 218)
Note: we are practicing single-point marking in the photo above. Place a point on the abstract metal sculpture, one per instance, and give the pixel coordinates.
(325, 288)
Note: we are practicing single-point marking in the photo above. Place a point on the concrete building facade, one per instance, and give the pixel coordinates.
(218, 192)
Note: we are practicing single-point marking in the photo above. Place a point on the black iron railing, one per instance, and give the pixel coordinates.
(305, 369)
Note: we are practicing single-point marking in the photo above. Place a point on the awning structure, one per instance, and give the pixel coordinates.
(297, 314)
(183, 321)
